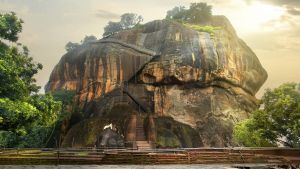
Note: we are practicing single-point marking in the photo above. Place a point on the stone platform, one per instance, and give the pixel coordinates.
(150, 157)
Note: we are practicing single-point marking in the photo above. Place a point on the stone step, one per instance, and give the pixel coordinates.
(140, 134)
(142, 145)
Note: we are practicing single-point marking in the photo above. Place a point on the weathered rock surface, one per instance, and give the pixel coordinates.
(204, 81)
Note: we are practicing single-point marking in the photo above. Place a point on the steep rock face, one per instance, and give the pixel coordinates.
(206, 81)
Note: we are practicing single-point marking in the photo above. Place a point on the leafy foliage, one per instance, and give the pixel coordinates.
(207, 28)
(245, 133)
(197, 13)
(16, 66)
(87, 39)
(8, 139)
(21, 118)
(17, 71)
(10, 26)
(277, 122)
(177, 13)
(128, 20)
(23, 113)
(112, 28)
(71, 45)
(65, 96)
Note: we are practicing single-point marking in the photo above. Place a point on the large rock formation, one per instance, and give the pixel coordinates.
(197, 84)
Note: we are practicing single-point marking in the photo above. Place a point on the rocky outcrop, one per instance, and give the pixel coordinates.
(204, 82)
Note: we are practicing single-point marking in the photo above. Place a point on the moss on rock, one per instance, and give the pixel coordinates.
(85, 133)
(173, 134)
(167, 139)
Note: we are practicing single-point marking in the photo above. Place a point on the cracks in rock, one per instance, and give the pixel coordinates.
(131, 46)
(136, 75)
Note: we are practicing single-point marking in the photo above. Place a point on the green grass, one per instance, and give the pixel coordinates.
(207, 28)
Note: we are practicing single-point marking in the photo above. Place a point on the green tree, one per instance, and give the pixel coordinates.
(247, 133)
(17, 71)
(127, 21)
(177, 13)
(197, 13)
(22, 111)
(87, 39)
(21, 119)
(111, 28)
(71, 46)
(277, 122)
(65, 96)
(10, 26)
(16, 66)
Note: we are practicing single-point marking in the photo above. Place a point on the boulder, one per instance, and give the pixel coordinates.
(202, 80)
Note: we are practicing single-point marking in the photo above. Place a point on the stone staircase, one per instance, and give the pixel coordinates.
(140, 133)
(141, 142)
(143, 145)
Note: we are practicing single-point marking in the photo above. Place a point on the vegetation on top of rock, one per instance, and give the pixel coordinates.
(71, 45)
(26, 117)
(277, 122)
(207, 28)
(128, 20)
(197, 13)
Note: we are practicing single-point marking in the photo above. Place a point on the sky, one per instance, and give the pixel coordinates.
(270, 27)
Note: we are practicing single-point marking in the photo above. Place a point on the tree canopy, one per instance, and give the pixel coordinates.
(26, 117)
(277, 122)
(197, 13)
(10, 26)
(17, 70)
(111, 28)
(71, 45)
(127, 21)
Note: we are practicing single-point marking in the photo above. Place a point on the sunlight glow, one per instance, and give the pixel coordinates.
(263, 13)
(256, 17)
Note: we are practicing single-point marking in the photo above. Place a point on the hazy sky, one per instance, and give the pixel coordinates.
(270, 27)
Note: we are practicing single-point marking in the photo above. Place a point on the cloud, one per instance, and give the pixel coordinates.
(293, 11)
(283, 22)
(106, 14)
(283, 2)
(292, 6)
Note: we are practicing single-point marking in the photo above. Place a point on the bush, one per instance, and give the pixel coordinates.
(277, 122)
(209, 29)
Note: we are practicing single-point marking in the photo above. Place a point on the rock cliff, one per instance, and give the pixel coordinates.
(197, 84)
